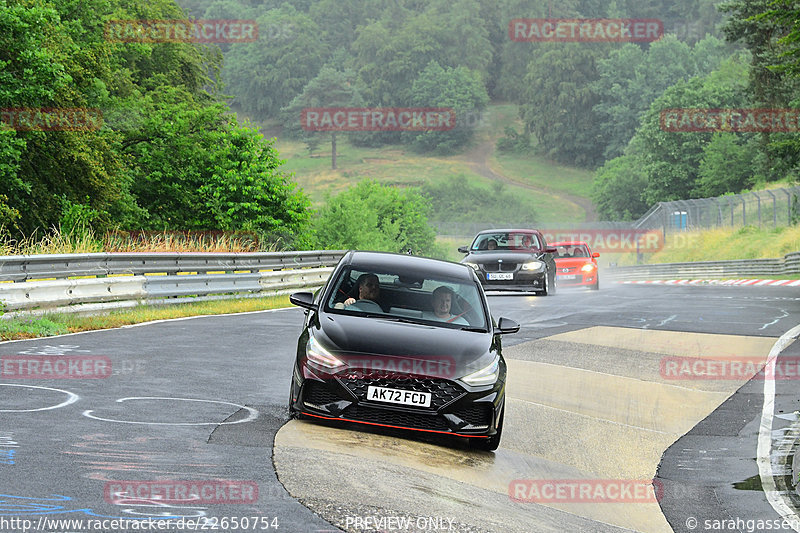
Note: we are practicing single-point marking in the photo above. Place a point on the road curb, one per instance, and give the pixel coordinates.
(796, 470)
(726, 282)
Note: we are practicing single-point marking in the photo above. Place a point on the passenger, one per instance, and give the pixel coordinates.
(368, 289)
(442, 301)
(492, 244)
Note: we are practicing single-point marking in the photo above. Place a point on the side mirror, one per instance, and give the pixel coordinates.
(595, 254)
(303, 299)
(551, 250)
(463, 249)
(506, 325)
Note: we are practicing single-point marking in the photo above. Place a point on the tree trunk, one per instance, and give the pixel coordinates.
(333, 151)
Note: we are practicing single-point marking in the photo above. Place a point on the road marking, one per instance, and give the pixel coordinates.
(764, 450)
(71, 398)
(253, 413)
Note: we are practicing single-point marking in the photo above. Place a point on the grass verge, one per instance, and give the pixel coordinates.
(721, 244)
(31, 327)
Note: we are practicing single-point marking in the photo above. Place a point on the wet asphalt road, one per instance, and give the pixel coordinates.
(202, 399)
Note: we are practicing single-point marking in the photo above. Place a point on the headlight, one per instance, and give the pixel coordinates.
(474, 266)
(588, 267)
(533, 265)
(485, 376)
(320, 356)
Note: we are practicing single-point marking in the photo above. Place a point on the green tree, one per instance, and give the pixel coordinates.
(371, 216)
(265, 75)
(459, 89)
(559, 103)
(729, 164)
(618, 188)
(330, 88)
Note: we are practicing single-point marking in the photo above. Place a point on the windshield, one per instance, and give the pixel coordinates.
(571, 250)
(407, 296)
(506, 241)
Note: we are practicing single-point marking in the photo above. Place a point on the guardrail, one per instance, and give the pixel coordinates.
(66, 282)
(788, 265)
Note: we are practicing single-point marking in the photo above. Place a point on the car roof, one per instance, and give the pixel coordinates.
(568, 243)
(509, 231)
(386, 260)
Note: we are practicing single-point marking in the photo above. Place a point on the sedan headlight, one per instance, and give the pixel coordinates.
(534, 266)
(474, 266)
(588, 267)
(485, 376)
(320, 356)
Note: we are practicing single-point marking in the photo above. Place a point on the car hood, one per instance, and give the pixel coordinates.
(506, 257)
(375, 343)
(572, 261)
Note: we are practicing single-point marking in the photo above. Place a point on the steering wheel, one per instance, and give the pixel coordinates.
(367, 306)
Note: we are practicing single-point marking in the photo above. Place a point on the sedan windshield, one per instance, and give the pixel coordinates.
(506, 241)
(408, 297)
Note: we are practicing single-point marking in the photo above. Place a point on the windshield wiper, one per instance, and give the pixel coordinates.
(471, 328)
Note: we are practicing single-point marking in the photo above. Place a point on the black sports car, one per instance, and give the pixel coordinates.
(404, 342)
(512, 260)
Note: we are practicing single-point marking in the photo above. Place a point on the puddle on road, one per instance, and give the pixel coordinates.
(751, 483)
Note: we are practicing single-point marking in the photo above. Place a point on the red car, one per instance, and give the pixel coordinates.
(576, 265)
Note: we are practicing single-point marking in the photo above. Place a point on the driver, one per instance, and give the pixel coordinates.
(368, 289)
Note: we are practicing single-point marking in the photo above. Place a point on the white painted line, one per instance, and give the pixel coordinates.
(253, 413)
(764, 450)
(71, 398)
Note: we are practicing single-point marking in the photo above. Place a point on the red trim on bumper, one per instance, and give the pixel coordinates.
(397, 427)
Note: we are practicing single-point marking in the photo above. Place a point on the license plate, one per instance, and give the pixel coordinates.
(569, 276)
(499, 275)
(402, 397)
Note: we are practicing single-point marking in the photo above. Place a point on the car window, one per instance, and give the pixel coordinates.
(408, 296)
(504, 241)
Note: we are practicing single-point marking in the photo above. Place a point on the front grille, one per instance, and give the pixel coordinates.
(566, 270)
(395, 418)
(477, 415)
(442, 391)
(318, 394)
(500, 267)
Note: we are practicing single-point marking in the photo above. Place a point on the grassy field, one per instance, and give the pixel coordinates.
(542, 181)
(59, 323)
(720, 244)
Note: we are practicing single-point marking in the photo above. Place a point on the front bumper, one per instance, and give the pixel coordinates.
(582, 279)
(454, 409)
(522, 281)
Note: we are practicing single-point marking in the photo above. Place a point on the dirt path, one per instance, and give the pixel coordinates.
(478, 160)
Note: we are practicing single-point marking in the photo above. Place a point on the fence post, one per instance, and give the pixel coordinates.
(774, 210)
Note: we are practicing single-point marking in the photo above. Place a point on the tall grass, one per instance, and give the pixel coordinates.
(58, 241)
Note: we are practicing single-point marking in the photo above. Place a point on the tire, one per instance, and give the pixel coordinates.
(550, 285)
(596, 286)
(492, 443)
(294, 415)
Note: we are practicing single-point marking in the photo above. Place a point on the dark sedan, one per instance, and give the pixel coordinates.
(405, 342)
(512, 260)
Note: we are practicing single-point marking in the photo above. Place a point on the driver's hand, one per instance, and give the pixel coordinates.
(349, 301)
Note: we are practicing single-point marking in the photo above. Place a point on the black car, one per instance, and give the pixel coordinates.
(512, 260)
(388, 357)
